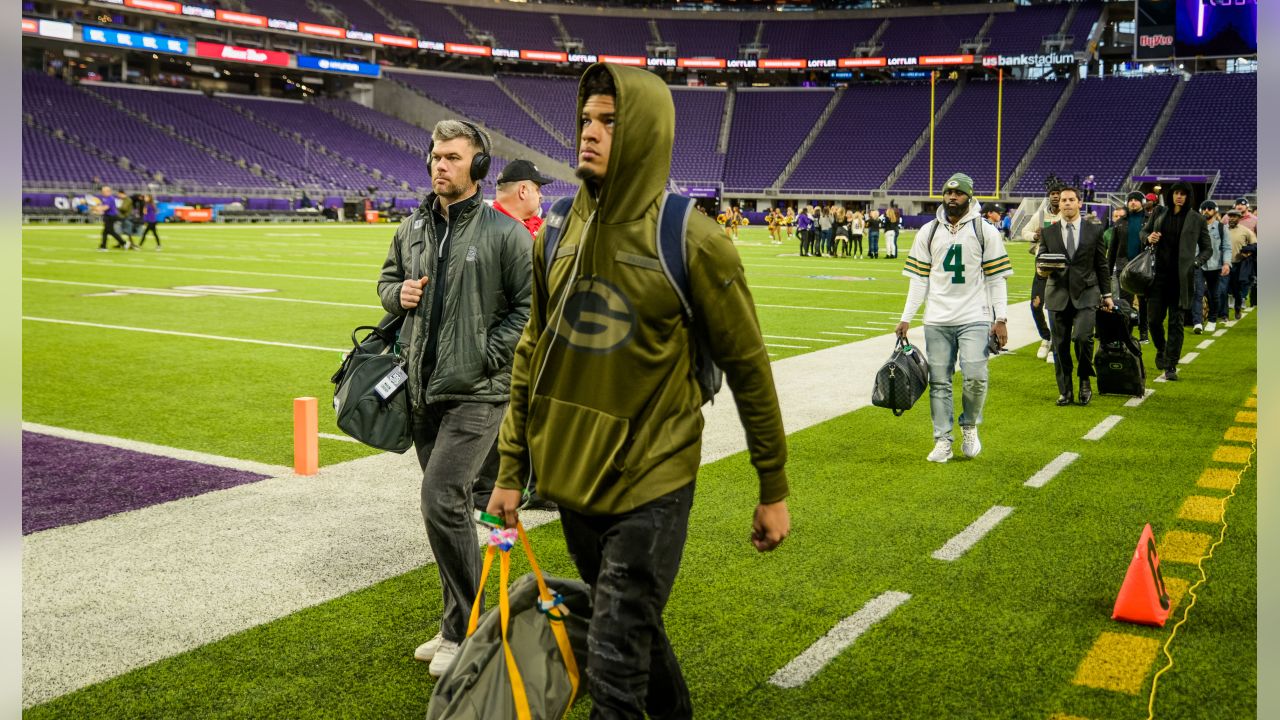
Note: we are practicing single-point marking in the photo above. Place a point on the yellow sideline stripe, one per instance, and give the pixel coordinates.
(1233, 454)
(1117, 662)
(1247, 417)
(1202, 508)
(1183, 547)
(1217, 479)
(1251, 402)
(1222, 536)
(1241, 434)
(1060, 716)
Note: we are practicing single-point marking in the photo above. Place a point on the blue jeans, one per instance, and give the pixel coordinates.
(944, 345)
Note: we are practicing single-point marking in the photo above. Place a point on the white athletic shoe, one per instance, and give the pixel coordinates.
(1212, 326)
(1044, 349)
(443, 658)
(1198, 328)
(941, 451)
(427, 650)
(971, 445)
(1049, 358)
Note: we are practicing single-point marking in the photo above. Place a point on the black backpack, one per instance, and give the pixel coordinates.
(902, 380)
(673, 219)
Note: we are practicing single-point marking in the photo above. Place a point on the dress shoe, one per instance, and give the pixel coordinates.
(1086, 391)
(1065, 399)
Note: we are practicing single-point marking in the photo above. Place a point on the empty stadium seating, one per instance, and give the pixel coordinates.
(1079, 145)
(768, 127)
(1022, 31)
(1214, 127)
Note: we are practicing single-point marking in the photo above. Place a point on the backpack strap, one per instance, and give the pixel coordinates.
(673, 218)
(556, 216)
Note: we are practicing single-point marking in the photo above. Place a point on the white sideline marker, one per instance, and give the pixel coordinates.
(1050, 471)
(970, 536)
(788, 337)
(1135, 402)
(841, 334)
(1101, 429)
(1204, 345)
(789, 347)
(181, 334)
(1189, 357)
(331, 436)
(802, 669)
(1220, 333)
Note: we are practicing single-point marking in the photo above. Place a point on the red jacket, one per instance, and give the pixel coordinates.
(532, 224)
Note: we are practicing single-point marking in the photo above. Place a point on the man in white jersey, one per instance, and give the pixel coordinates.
(959, 265)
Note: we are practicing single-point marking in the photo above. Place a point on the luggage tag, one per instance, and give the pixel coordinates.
(388, 385)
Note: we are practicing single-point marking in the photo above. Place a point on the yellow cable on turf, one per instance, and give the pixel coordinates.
(1155, 681)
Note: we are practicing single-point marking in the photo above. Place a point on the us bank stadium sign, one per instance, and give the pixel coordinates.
(1028, 60)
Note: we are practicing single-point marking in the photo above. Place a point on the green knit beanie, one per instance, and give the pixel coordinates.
(960, 182)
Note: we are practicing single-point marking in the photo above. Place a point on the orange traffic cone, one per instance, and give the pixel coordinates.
(1143, 599)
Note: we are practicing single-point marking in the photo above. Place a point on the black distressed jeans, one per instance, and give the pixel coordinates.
(630, 561)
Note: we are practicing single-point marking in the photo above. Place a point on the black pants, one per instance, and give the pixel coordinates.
(151, 228)
(630, 561)
(857, 245)
(1163, 305)
(1038, 286)
(109, 229)
(1073, 327)
(808, 241)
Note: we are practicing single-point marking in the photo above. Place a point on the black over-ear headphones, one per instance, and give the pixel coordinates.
(480, 163)
(482, 160)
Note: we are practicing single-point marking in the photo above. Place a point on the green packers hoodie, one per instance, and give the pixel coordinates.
(605, 409)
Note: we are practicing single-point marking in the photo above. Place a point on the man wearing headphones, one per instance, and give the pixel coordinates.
(459, 272)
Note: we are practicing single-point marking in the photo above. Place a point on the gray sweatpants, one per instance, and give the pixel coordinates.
(452, 439)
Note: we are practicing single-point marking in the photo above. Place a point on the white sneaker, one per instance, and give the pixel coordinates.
(1043, 352)
(443, 658)
(1211, 327)
(427, 650)
(1049, 358)
(971, 445)
(1199, 328)
(941, 451)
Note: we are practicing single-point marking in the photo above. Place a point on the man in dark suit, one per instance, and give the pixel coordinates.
(1073, 293)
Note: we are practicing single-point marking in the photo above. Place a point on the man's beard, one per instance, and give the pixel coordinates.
(958, 211)
(587, 175)
(452, 192)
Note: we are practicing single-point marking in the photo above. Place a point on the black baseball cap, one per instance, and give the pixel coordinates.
(518, 170)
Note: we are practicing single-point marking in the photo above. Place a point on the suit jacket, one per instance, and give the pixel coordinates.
(1080, 284)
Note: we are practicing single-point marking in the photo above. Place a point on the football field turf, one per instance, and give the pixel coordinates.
(1014, 625)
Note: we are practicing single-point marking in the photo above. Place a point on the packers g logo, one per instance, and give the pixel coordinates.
(597, 317)
(953, 183)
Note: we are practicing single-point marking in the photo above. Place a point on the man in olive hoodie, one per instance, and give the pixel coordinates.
(458, 271)
(605, 408)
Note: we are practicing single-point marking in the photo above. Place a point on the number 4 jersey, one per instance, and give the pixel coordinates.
(957, 262)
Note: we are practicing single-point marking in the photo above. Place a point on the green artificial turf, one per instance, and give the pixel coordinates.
(998, 633)
(190, 392)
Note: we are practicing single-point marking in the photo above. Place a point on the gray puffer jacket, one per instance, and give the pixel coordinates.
(486, 301)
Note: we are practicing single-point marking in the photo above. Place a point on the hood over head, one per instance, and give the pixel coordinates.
(1184, 187)
(640, 153)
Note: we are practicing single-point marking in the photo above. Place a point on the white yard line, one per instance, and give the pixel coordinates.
(788, 337)
(1189, 357)
(960, 544)
(212, 271)
(788, 347)
(1135, 402)
(1100, 430)
(1204, 345)
(203, 293)
(1219, 333)
(802, 669)
(1050, 471)
(862, 327)
(29, 318)
(331, 436)
(826, 290)
(160, 450)
(841, 334)
(829, 309)
(237, 258)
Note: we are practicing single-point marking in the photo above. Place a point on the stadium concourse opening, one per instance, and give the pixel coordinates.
(273, 149)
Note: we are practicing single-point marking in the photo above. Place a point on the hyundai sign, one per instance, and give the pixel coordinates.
(350, 67)
(134, 40)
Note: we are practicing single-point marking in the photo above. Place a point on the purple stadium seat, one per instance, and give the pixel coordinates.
(965, 140)
(513, 29)
(434, 21)
(816, 38)
(768, 127)
(1107, 155)
(1214, 127)
(933, 35)
(611, 36)
(1021, 31)
(707, 38)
